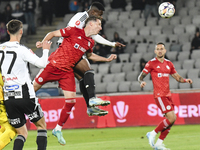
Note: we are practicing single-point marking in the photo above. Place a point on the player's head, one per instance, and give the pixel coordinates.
(14, 26)
(96, 9)
(160, 50)
(93, 24)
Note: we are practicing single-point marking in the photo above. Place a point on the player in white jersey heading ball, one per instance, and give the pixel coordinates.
(18, 89)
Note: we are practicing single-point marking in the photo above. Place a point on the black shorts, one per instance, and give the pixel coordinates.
(17, 108)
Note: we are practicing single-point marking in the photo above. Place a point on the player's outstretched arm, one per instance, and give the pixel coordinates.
(95, 57)
(99, 39)
(48, 37)
(140, 79)
(178, 78)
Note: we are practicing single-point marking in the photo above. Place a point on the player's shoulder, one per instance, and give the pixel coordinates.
(152, 60)
(168, 61)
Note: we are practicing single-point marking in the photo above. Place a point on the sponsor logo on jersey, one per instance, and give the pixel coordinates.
(68, 28)
(163, 75)
(79, 37)
(167, 67)
(121, 110)
(3, 47)
(77, 46)
(12, 87)
(40, 79)
(158, 67)
(89, 43)
(168, 107)
(13, 78)
(77, 22)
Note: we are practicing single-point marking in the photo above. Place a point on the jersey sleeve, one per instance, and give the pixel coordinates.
(78, 20)
(147, 69)
(173, 70)
(29, 56)
(66, 31)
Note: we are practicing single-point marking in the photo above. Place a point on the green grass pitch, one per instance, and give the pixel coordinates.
(184, 137)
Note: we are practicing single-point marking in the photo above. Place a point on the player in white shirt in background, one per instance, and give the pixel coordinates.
(82, 70)
(19, 94)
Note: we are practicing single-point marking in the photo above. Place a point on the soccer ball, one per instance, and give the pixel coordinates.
(166, 10)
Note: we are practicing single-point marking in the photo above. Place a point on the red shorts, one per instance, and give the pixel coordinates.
(165, 104)
(65, 79)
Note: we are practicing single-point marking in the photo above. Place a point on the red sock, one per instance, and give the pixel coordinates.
(164, 133)
(65, 112)
(162, 126)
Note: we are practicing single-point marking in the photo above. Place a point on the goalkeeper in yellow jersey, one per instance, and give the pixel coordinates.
(7, 132)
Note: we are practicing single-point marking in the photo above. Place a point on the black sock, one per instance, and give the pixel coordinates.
(19, 142)
(42, 139)
(89, 83)
(84, 92)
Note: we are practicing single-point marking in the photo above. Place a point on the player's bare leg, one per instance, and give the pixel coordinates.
(83, 70)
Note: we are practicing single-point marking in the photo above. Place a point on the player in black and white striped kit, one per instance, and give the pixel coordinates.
(82, 70)
(18, 89)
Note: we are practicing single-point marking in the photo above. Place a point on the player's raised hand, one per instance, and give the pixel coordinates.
(142, 84)
(46, 45)
(117, 44)
(188, 81)
(38, 44)
(112, 57)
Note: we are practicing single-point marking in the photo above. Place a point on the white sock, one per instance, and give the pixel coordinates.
(58, 128)
(159, 142)
(153, 133)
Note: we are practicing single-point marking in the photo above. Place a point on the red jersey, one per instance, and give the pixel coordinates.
(74, 45)
(160, 76)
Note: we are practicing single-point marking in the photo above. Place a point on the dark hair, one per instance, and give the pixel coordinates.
(13, 26)
(160, 43)
(92, 18)
(97, 5)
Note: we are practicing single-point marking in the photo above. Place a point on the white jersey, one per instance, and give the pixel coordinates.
(13, 60)
(78, 20)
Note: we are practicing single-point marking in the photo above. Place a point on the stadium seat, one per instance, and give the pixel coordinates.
(182, 72)
(116, 67)
(156, 30)
(132, 32)
(139, 22)
(196, 85)
(186, 20)
(119, 77)
(183, 56)
(195, 54)
(139, 39)
(33, 72)
(183, 12)
(112, 87)
(101, 88)
(175, 20)
(108, 78)
(152, 22)
(173, 38)
(190, 28)
(195, 20)
(124, 86)
(190, 4)
(103, 68)
(184, 86)
(151, 47)
(179, 30)
(184, 38)
(98, 78)
(130, 48)
(150, 39)
(127, 67)
(144, 31)
(163, 22)
(193, 73)
(137, 66)
(135, 86)
(186, 46)
(172, 55)
(94, 67)
(124, 58)
(197, 63)
(135, 57)
(117, 24)
(148, 56)
(132, 76)
(177, 64)
(135, 14)
(188, 64)
(148, 86)
(142, 48)
(194, 11)
(176, 47)
(173, 84)
(128, 24)
(161, 38)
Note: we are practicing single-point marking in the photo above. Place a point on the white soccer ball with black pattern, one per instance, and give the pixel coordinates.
(166, 10)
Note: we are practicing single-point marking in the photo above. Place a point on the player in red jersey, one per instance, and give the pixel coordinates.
(62, 61)
(160, 69)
